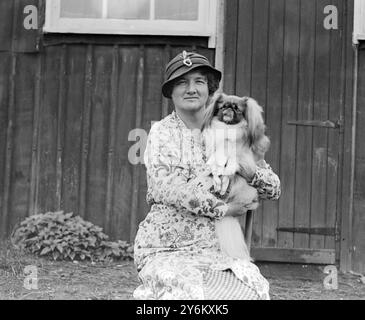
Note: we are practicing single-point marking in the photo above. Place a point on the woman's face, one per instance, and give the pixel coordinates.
(190, 92)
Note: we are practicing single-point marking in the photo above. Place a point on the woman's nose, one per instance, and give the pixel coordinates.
(191, 87)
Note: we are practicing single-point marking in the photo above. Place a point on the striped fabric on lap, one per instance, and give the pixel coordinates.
(224, 285)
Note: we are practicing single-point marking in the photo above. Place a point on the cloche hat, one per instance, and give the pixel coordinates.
(183, 63)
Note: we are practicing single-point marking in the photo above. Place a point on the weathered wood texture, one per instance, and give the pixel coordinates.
(69, 104)
(345, 166)
(66, 119)
(68, 108)
(16, 35)
(67, 114)
(282, 55)
(358, 223)
(317, 256)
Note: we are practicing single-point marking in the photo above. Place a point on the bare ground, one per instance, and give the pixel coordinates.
(117, 280)
(305, 282)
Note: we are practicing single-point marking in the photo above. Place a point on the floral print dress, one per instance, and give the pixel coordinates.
(176, 243)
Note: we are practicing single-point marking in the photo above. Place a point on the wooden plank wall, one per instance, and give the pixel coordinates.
(66, 111)
(282, 55)
(67, 108)
(358, 245)
(12, 31)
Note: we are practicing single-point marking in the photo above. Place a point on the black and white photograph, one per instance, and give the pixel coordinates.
(204, 151)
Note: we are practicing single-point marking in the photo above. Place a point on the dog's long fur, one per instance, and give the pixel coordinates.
(234, 149)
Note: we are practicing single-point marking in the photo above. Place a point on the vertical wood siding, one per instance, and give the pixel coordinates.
(66, 115)
(67, 110)
(358, 244)
(14, 35)
(68, 105)
(282, 55)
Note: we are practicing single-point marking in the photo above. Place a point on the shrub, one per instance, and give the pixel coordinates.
(67, 237)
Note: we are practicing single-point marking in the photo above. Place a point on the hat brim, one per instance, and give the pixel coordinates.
(184, 70)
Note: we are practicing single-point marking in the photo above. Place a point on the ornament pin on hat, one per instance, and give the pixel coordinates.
(187, 61)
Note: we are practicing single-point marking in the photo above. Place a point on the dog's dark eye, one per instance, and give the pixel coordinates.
(230, 105)
(226, 106)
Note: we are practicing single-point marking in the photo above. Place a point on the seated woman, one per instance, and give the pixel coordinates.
(176, 250)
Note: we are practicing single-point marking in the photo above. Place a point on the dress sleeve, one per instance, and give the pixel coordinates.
(266, 182)
(169, 179)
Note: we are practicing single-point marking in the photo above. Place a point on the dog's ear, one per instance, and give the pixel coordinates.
(242, 103)
(256, 126)
(212, 108)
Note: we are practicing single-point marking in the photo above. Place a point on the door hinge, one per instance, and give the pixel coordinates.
(316, 231)
(338, 124)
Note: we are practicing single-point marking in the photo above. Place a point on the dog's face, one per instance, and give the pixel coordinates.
(230, 111)
(234, 110)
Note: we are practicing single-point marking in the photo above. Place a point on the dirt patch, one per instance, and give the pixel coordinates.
(59, 280)
(305, 282)
(117, 280)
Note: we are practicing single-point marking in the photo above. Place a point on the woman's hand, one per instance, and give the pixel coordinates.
(238, 209)
(234, 210)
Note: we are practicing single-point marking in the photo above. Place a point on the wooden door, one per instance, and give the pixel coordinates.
(282, 55)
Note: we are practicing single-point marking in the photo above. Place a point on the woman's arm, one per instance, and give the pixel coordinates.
(266, 182)
(168, 177)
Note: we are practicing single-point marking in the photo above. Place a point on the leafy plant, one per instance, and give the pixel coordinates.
(63, 236)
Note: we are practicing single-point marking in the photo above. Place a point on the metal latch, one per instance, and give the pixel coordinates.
(317, 231)
(338, 124)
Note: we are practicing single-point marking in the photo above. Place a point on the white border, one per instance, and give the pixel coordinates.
(206, 26)
(359, 21)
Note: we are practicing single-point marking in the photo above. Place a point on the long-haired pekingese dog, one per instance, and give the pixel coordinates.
(234, 134)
